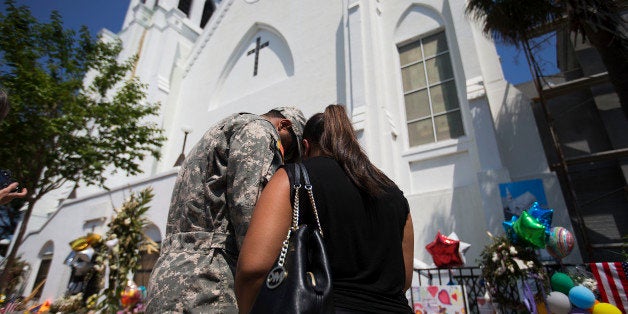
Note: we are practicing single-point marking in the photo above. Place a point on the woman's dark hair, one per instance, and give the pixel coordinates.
(333, 133)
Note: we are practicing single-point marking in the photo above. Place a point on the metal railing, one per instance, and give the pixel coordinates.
(473, 285)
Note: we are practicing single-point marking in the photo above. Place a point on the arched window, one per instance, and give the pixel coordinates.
(184, 6)
(147, 261)
(208, 10)
(429, 90)
(45, 256)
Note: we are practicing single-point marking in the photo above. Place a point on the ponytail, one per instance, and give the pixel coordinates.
(333, 132)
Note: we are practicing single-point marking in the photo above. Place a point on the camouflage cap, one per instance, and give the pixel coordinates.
(298, 123)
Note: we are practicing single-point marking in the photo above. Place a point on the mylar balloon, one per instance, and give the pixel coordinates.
(510, 231)
(68, 260)
(561, 282)
(543, 216)
(130, 295)
(444, 251)
(530, 230)
(581, 297)
(79, 244)
(82, 262)
(86, 254)
(462, 248)
(81, 267)
(560, 242)
(605, 308)
(93, 238)
(558, 303)
(143, 292)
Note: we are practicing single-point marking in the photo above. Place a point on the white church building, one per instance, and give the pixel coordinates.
(421, 83)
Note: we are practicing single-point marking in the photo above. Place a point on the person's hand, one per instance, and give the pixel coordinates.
(6, 194)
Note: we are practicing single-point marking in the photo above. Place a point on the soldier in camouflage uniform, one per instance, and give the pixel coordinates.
(212, 202)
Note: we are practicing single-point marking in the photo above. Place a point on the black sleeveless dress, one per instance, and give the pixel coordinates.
(363, 237)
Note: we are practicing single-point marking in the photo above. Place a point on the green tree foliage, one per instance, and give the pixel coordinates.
(599, 21)
(61, 129)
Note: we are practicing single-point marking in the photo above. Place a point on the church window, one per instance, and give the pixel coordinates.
(184, 6)
(208, 10)
(147, 262)
(429, 89)
(42, 274)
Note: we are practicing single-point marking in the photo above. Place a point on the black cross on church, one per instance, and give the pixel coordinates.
(258, 47)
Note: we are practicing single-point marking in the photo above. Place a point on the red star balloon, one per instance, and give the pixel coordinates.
(464, 247)
(444, 251)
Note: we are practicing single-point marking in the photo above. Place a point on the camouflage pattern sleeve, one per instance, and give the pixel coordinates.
(251, 158)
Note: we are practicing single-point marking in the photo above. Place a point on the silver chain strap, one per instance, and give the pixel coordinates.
(308, 188)
(277, 275)
(295, 219)
(295, 225)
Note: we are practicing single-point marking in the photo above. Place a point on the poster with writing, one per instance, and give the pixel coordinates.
(438, 299)
(519, 196)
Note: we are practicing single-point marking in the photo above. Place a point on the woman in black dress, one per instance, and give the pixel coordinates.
(365, 219)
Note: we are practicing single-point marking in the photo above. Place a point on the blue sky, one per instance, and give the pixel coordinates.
(99, 14)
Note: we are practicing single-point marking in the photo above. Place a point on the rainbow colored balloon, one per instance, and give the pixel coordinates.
(560, 242)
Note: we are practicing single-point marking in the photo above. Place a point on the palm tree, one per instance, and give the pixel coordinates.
(599, 21)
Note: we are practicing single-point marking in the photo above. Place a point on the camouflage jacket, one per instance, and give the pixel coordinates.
(211, 207)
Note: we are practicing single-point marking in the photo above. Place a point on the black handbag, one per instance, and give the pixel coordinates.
(300, 280)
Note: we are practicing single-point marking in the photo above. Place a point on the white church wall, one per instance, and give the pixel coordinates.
(441, 211)
(374, 86)
(90, 214)
(441, 178)
(219, 74)
(517, 134)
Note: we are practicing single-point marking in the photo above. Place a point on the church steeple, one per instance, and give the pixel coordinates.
(196, 12)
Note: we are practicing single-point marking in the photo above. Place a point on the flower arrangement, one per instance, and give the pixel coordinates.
(120, 254)
(504, 265)
(116, 260)
(581, 276)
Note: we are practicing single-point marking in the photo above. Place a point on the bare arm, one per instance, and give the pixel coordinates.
(407, 245)
(262, 243)
(6, 195)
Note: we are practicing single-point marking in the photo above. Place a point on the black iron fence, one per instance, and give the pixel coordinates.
(473, 285)
(468, 277)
